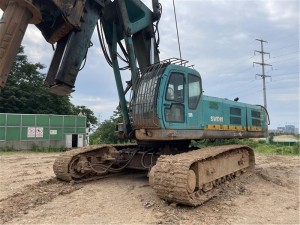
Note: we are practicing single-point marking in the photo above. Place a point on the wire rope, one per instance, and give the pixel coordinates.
(177, 30)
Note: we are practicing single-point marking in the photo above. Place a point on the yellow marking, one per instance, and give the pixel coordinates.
(255, 129)
(232, 128)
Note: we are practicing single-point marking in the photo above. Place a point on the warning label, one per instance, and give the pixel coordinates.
(31, 132)
(35, 132)
(39, 131)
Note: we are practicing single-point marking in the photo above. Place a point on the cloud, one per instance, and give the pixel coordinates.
(241, 36)
(101, 106)
(284, 13)
(40, 50)
(218, 37)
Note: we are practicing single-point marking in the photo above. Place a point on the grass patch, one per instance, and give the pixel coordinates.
(258, 146)
(46, 149)
(33, 149)
(278, 149)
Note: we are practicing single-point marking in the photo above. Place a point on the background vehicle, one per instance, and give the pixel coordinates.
(167, 108)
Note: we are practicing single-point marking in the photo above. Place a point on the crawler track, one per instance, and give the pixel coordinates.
(67, 166)
(171, 178)
(189, 178)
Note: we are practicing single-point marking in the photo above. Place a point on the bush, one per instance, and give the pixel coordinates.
(7, 149)
(296, 149)
(46, 149)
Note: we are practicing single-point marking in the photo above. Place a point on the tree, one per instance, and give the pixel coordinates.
(25, 93)
(105, 133)
(91, 119)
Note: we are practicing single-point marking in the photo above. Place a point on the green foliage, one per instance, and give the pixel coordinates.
(105, 133)
(25, 93)
(279, 149)
(34, 148)
(258, 146)
(90, 118)
(7, 149)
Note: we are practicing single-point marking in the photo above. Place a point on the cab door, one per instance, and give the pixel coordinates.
(174, 112)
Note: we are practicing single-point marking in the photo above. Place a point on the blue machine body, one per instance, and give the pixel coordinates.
(170, 105)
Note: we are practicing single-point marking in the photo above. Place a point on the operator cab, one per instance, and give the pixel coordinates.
(168, 97)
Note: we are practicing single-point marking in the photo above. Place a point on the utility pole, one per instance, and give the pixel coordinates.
(263, 64)
(263, 75)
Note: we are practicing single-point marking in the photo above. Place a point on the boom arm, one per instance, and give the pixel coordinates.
(70, 24)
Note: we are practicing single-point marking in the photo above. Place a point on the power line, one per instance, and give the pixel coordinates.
(287, 59)
(288, 46)
(239, 72)
(286, 74)
(234, 65)
(285, 54)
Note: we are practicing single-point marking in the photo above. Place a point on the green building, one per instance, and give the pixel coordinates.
(24, 131)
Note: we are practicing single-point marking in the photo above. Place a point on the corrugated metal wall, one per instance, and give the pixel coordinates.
(23, 131)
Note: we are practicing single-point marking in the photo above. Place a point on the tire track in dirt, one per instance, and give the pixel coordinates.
(32, 196)
(263, 174)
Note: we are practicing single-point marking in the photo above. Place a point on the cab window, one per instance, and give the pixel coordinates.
(194, 85)
(175, 91)
(174, 112)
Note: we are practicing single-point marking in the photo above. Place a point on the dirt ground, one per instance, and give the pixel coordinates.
(30, 194)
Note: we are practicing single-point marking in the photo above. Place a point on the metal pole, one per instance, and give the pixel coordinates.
(263, 76)
(263, 73)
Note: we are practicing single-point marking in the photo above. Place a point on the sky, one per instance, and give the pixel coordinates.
(219, 38)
